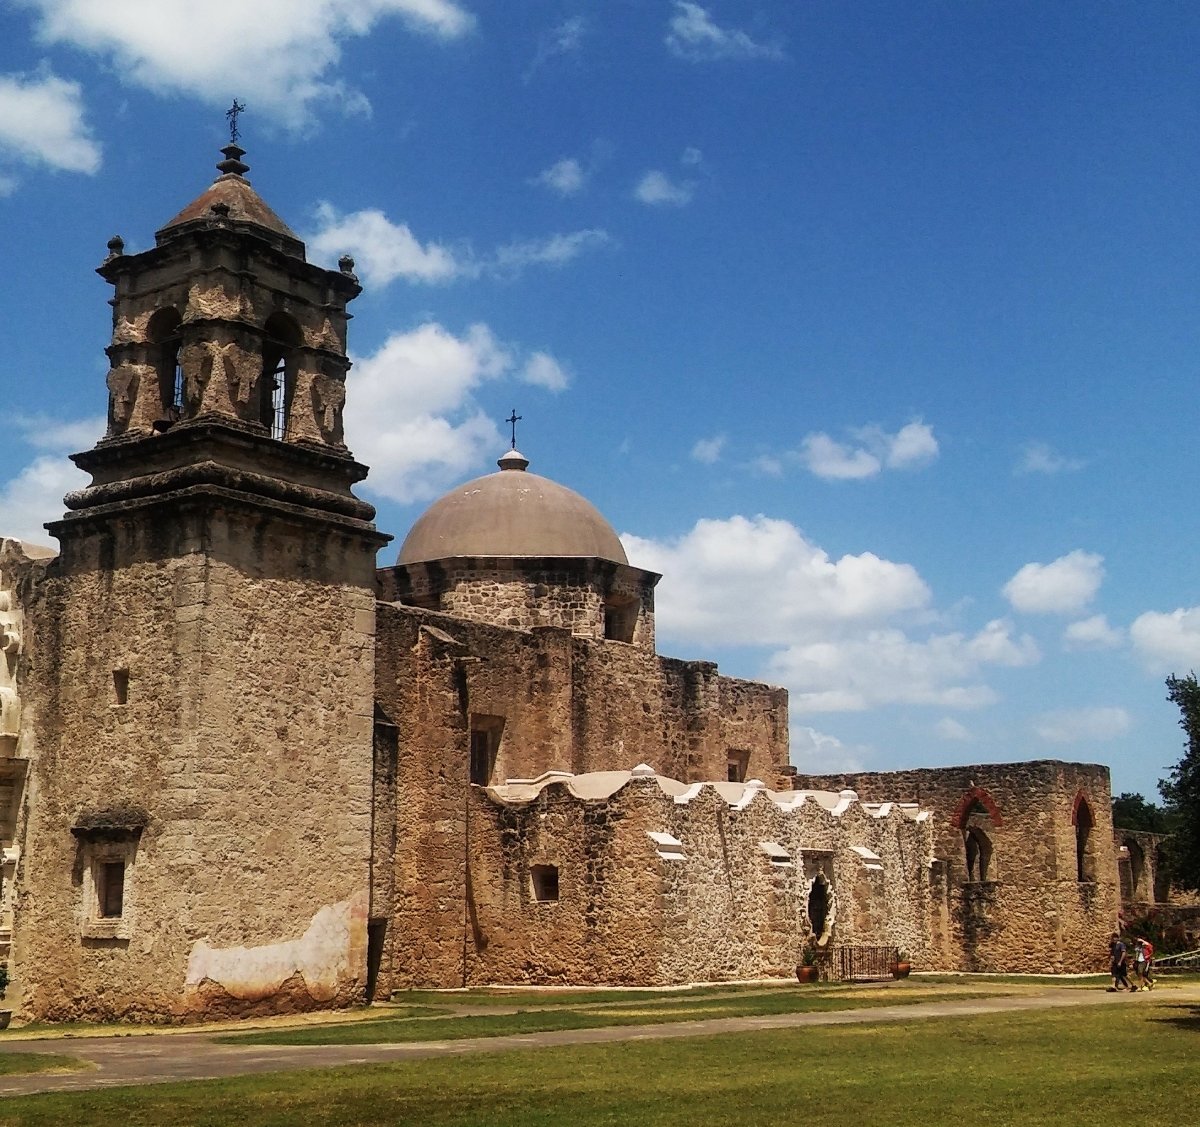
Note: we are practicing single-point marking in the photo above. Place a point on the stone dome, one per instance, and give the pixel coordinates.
(511, 513)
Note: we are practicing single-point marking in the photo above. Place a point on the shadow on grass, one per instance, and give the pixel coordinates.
(1182, 1017)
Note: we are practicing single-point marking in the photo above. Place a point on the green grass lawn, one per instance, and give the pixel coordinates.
(1103, 1066)
(12, 1064)
(635, 1011)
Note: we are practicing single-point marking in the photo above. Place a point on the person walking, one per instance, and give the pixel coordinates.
(1146, 963)
(1139, 963)
(1119, 958)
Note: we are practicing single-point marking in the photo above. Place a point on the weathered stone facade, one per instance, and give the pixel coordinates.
(1025, 859)
(242, 770)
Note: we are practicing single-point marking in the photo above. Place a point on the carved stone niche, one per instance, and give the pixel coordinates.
(105, 867)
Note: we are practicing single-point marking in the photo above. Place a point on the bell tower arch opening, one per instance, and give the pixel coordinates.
(164, 333)
(277, 384)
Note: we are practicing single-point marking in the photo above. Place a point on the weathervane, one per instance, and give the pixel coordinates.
(232, 114)
(513, 419)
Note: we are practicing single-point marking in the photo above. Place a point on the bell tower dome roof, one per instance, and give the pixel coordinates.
(231, 201)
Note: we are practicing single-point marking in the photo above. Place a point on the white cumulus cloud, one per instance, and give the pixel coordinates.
(872, 450)
(693, 35)
(1075, 724)
(566, 177)
(35, 495)
(774, 584)
(542, 370)
(1169, 642)
(42, 123)
(818, 753)
(1093, 633)
(947, 728)
(411, 413)
(1064, 586)
(382, 250)
(280, 56)
(886, 666)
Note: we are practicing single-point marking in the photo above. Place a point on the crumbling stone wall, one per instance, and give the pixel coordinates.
(710, 905)
(1030, 911)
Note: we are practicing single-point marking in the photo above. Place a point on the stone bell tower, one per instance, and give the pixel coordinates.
(198, 829)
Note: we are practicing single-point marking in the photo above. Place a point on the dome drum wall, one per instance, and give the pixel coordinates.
(593, 598)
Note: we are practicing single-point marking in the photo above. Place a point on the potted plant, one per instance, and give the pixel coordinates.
(806, 970)
(901, 966)
(5, 1015)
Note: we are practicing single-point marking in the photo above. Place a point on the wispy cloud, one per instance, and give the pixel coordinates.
(1076, 724)
(1038, 457)
(564, 38)
(657, 188)
(708, 450)
(384, 251)
(694, 35)
(566, 177)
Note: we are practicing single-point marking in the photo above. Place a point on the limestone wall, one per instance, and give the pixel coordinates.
(1029, 911)
(574, 594)
(719, 892)
(203, 685)
(563, 703)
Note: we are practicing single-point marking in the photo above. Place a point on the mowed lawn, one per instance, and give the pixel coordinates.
(1131, 1062)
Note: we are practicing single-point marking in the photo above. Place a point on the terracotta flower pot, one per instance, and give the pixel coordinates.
(806, 974)
(901, 970)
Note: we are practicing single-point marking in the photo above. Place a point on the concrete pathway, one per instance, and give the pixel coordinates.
(157, 1058)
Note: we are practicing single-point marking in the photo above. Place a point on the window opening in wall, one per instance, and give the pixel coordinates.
(1083, 841)
(110, 890)
(620, 619)
(121, 685)
(1137, 868)
(485, 743)
(819, 903)
(738, 762)
(544, 881)
(979, 853)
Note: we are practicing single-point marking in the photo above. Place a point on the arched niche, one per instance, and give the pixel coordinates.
(1084, 822)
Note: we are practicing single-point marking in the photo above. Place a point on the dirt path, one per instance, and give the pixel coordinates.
(152, 1059)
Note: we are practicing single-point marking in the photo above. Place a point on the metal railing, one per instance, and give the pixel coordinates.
(1181, 961)
(856, 964)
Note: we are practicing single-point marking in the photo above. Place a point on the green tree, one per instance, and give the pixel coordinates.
(1133, 812)
(1181, 789)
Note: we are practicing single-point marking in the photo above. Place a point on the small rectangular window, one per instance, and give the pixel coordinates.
(738, 762)
(121, 685)
(544, 879)
(111, 890)
(485, 743)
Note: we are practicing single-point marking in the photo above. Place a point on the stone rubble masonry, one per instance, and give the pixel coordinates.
(528, 591)
(1032, 913)
(244, 743)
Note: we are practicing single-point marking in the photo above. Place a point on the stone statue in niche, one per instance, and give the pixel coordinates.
(329, 397)
(122, 390)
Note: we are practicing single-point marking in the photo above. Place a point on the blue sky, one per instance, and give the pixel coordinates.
(872, 326)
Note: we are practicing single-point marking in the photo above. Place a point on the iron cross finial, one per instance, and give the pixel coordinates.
(232, 114)
(513, 419)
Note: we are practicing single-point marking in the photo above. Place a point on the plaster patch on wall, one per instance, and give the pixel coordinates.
(327, 956)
